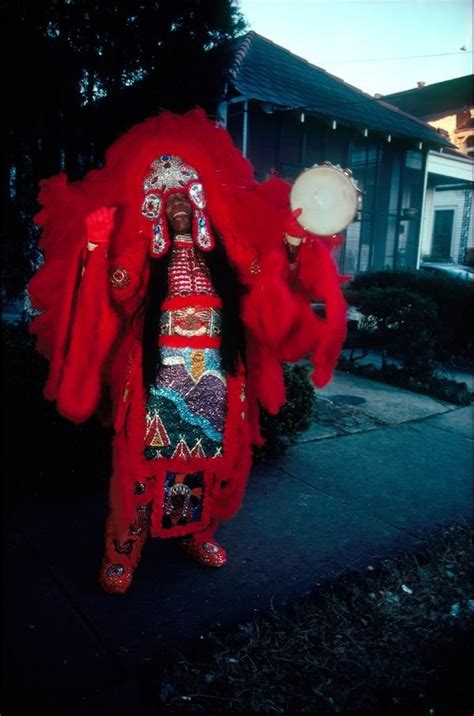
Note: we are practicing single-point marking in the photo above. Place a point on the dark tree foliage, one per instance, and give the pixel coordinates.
(81, 72)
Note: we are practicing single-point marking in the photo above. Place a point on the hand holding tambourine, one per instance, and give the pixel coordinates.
(328, 198)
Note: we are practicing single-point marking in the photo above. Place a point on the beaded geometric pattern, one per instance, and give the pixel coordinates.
(185, 411)
(191, 322)
(169, 172)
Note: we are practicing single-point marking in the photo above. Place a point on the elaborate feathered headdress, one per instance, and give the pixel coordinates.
(166, 175)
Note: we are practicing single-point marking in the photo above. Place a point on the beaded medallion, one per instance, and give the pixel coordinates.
(183, 498)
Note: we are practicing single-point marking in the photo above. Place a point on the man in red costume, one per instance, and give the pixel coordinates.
(173, 288)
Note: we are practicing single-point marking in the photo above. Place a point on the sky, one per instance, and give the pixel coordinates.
(379, 46)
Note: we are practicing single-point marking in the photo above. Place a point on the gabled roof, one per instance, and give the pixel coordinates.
(267, 72)
(438, 99)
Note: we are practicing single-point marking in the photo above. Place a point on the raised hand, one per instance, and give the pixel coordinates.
(293, 228)
(99, 225)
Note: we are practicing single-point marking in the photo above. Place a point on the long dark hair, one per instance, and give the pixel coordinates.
(227, 286)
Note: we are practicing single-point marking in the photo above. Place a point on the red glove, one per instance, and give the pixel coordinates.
(293, 228)
(99, 225)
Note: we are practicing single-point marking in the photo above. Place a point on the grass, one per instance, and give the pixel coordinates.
(394, 640)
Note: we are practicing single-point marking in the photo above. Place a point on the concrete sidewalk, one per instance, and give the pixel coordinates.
(381, 468)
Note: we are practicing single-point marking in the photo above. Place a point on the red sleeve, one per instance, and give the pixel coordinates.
(92, 330)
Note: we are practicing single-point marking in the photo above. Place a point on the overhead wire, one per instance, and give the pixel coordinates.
(391, 59)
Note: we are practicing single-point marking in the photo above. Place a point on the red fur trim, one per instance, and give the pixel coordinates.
(52, 327)
(318, 275)
(85, 331)
(196, 299)
(94, 327)
(191, 342)
(231, 481)
(269, 309)
(265, 377)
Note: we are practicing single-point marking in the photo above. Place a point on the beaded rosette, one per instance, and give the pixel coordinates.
(166, 175)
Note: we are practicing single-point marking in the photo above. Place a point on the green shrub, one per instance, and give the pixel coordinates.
(401, 323)
(281, 430)
(452, 298)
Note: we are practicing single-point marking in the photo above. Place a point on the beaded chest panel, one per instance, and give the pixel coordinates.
(188, 273)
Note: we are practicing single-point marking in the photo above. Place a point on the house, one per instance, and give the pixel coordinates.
(448, 218)
(287, 114)
(448, 106)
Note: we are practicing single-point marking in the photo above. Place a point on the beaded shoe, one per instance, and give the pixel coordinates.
(121, 558)
(209, 553)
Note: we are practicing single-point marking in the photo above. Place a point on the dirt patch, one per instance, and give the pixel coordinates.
(394, 640)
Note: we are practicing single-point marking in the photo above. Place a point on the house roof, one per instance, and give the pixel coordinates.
(267, 72)
(440, 98)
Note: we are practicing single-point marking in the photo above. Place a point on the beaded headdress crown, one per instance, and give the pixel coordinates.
(168, 174)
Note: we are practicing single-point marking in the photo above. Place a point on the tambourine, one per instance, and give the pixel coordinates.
(329, 197)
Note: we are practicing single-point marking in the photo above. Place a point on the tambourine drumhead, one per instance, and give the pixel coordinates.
(328, 198)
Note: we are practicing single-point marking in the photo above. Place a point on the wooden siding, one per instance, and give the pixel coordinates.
(447, 199)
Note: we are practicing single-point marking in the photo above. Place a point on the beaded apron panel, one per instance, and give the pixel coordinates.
(186, 408)
(183, 499)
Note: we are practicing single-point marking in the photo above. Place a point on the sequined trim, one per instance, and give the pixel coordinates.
(254, 267)
(169, 172)
(159, 243)
(151, 207)
(191, 321)
(196, 194)
(119, 277)
(202, 231)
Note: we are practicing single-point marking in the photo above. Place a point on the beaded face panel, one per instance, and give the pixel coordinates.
(186, 407)
(152, 206)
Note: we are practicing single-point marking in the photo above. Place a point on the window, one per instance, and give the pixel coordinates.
(357, 253)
